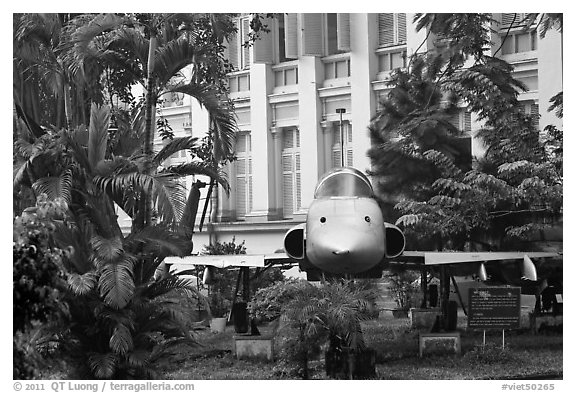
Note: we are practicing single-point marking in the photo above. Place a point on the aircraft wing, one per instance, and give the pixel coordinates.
(224, 261)
(454, 257)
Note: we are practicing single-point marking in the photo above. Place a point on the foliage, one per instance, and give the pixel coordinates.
(124, 316)
(403, 287)
(267, 303)
(422, 166)
(312, 315)
(39, 281)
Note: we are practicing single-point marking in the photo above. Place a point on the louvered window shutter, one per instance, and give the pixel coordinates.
(401, 28)
(250, 194)
(245, 48)
(385, 29)
(467, 122)
(343, 32)
(291, 35)
(291, 172)
(232, 50)
(312, 35)
(507, 19)
(455, 120)
(240, 187)
(287, 185)
(264, 44)
(336, 149)
(349, 149)
(243, 165)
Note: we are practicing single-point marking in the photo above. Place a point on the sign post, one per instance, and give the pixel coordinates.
(494, 308)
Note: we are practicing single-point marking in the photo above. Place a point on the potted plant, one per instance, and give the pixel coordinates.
(403, 288)
(219, 307)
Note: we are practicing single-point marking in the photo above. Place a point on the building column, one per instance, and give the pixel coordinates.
(261, 79)
(310, 75)
(550, 76)
(325, 154)
(364, 65)
(276, 204)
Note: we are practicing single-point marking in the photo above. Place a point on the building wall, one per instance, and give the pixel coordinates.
(334, 61)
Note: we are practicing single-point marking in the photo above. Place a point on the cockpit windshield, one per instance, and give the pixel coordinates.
(344, 182)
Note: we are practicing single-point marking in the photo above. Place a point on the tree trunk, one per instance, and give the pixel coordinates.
(146, 203)
(67, 106)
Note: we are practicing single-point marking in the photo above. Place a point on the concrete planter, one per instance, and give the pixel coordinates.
(254, 347)
(217, 325)
(423, 318)
(439, 344)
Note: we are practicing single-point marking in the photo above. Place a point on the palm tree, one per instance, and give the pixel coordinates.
(328, 313)
(123, 317)
(154, 50)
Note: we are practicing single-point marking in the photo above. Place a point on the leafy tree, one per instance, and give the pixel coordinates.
(39, 280)
(515, 189)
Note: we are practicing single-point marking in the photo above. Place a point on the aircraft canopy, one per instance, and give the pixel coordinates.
(344, 182)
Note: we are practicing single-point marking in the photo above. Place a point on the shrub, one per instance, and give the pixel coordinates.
(38, 283)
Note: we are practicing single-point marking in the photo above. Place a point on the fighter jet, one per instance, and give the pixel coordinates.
(345, 235)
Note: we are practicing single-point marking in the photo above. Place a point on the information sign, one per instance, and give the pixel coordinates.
(494, 308)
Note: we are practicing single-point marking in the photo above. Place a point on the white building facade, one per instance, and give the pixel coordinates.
(312, 78)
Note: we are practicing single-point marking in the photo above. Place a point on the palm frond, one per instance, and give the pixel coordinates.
(107, 250)
(116, 283)
(173, 57)
(158, 240)
(76, 141)
(166, 285)
(83, 32)
(98, 134)
(103, 365)
(119, 183)
(55, 187)
(82, 284)
(223, 125)
(169, 197)
(194, 168)
(175, 145)
(121, 340)
(139, 358)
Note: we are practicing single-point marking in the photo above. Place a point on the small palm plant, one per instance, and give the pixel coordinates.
(330, 313)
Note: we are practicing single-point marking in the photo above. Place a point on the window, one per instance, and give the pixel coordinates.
(391, 29)
(462, 121)
(519, 41)
(291, 171)
(281, 41)
(531, 108)
(389, 60)
(243, 173)
(337, 147)
(336, 68)
(238, 54)
(338, 33)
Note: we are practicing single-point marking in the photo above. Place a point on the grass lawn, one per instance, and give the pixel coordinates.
(526, 356)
